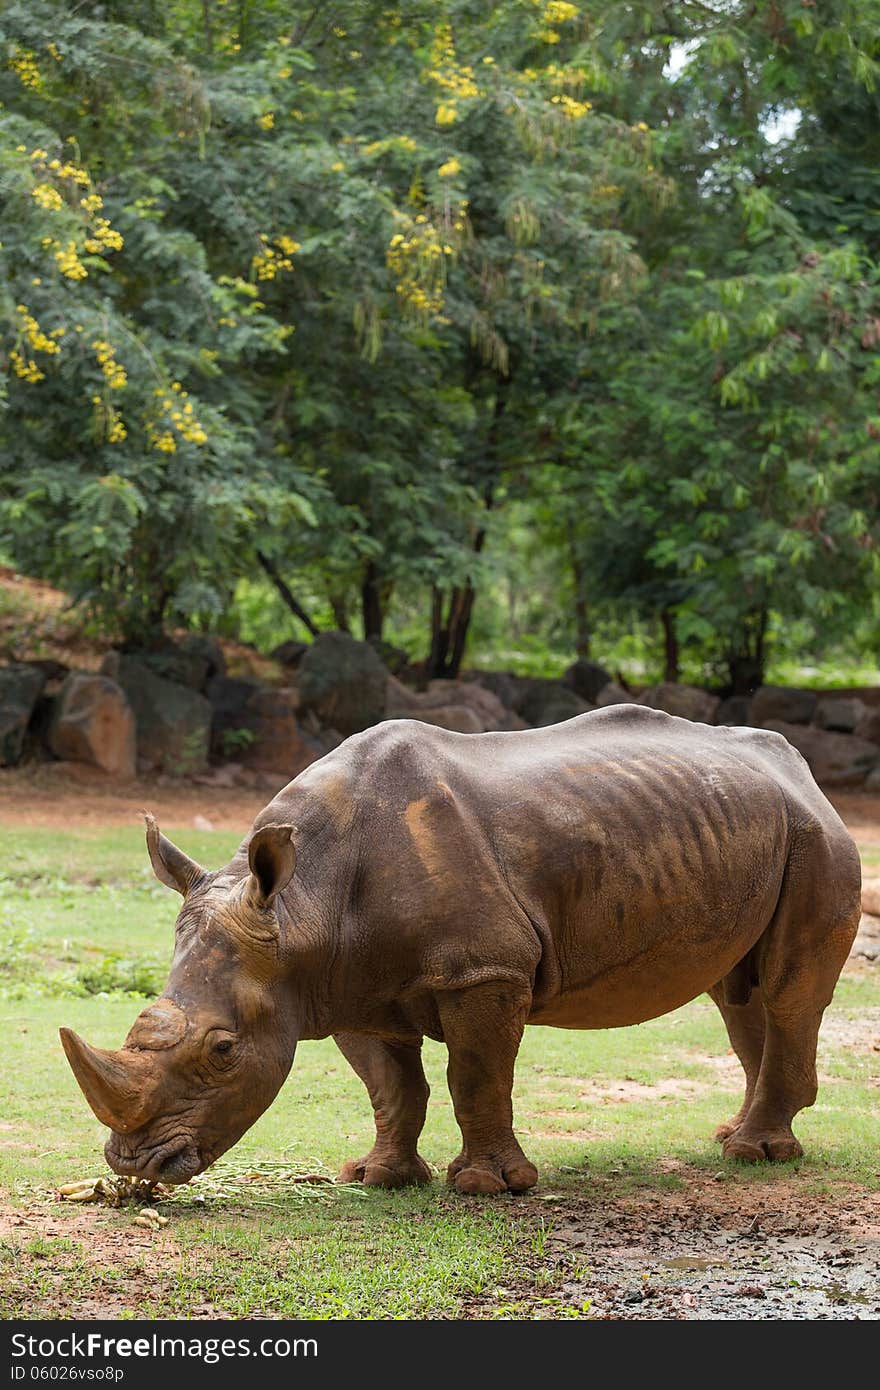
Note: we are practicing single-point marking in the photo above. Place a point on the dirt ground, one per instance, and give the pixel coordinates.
(709, 1248)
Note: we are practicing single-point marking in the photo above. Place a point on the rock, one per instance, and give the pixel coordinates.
(550, 702)
(192, 661)
(258, 726)
(872, 781)
(838, 713)
(399, 699)
(289, 653)
(835, 760)
(394, 659)
(735, 711)
(459, 718)
(614, 694)
(344, 682)
(278, 745)
(780, 702)
(868, 725)
(687, 701)
(173, 721)
(587, 678)
(499, 682)
(53, 670)
(20, 687)
(93, 722)
(871, 896)
(491, 713)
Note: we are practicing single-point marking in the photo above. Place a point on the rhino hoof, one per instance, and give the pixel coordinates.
(778, 1146)
(372, 1173)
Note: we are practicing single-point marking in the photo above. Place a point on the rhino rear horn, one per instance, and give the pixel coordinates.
(113, 1083)
(170, 865)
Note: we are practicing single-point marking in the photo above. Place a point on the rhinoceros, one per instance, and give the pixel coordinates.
(420, 883)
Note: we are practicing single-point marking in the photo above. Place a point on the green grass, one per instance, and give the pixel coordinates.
(270, 1247)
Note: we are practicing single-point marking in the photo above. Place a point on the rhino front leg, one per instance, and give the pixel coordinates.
(482, 1029)
(395, 1080)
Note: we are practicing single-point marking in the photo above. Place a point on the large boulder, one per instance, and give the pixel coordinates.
(290, 653)
(93, 722)
(192, 660)
(780, 702)
(459, 718)
(173, 721)
(868, 725)
(501, 683)
(20, 688)
(257, 726)
(343, 682)
(484, 711)
(587, 678)
(835, 760)
(735, 711)
(839, 713)
(614, 694)
(542, 702)
(687, 701)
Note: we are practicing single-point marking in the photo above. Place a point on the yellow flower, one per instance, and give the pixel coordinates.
(559, 12)
(267, 122)
(446, 114)
(47, 196)
(449, 169)
(69, 262)
(338, 167)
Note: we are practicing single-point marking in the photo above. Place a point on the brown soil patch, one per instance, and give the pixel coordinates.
(713, 1249)
(57, 1261)
(47, 796)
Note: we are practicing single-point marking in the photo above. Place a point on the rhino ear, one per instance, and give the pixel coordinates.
(170, 865)
(272, 860)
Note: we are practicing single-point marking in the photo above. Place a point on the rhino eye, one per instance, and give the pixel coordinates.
(224, 1046)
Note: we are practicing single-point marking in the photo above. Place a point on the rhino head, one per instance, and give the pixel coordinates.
(203, 1062)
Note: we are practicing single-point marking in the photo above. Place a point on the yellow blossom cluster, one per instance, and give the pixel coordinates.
(113, 370)
(100, 236)
(266, 121)
(560, 12)
(103, 237)
(416, 256)
(24, 65)
(47, 196)
(54, 52)
(456, 80)
(117, 431)
(573, 109)
(274, 257)
(179, 421)
(69, 262)
(449, 169)
(37, 339)
(25, 367)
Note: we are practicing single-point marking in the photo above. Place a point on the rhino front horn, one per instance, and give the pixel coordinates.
(111, 1082)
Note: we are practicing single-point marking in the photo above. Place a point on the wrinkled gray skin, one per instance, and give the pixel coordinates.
(417, 882)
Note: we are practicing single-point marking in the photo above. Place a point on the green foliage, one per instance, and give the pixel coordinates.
(390, 297)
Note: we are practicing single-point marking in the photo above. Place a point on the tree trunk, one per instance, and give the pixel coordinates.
(746, 664)
(296, 608)
(339, 604)
(371, 603)
(582, 633)
(671, 659)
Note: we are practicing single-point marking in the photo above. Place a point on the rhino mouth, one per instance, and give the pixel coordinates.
(174, 1162)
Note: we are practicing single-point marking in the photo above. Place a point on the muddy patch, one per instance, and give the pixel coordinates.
(713, 1251)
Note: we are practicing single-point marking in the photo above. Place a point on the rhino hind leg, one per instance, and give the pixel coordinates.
(395, 1080)
(799, 959)
(745, 1025)
(482, 1029)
